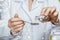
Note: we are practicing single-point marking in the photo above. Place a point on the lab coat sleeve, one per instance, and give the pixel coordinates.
(49, 25)
(5, 30)
(17, 36)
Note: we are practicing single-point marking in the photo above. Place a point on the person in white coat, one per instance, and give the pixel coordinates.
(23, 16)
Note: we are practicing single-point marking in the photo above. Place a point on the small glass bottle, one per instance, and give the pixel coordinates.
(42, 18)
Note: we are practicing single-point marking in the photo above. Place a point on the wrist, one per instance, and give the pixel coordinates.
(16, 34)
(13, 33)
(55, 22)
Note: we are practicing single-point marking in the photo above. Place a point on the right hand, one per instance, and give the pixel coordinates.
(51, 13)
(16, 24)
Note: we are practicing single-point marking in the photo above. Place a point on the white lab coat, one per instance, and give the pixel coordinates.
(4, 19)
(30, 32)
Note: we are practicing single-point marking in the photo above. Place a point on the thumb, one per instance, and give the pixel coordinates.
(16, 16)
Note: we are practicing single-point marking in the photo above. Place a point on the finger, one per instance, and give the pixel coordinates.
(47, 11)
(53, 9)
(13, 23)
(16, 16)
(43, 11)
(15, 19)
(17, 30)
(18, 26)
(17, 23)
(55, 14)
(9, 23)
(54, 17)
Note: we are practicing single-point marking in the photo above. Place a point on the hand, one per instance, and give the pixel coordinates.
(51, 14)
(16, 24)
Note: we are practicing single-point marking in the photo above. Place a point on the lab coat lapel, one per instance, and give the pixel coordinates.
(37, 4)
(34, 5)
(25, 6)
(26, 10)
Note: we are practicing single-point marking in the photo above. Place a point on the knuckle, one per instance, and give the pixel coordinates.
(53, 8)
(56, 13)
